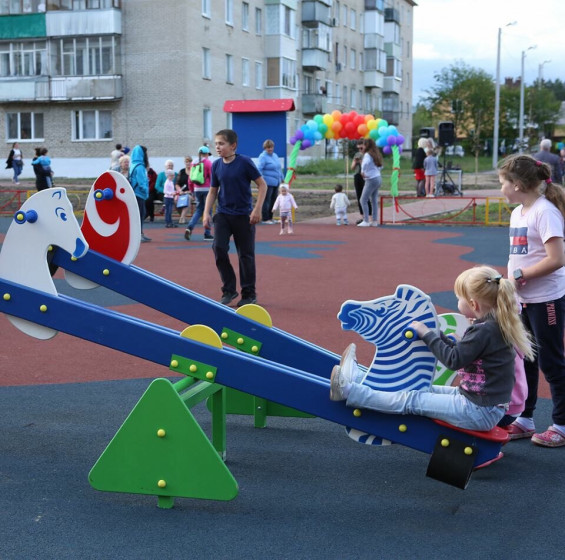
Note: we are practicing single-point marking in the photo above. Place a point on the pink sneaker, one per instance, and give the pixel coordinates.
(515, 431)
(550, 438)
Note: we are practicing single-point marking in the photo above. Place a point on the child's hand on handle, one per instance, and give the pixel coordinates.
(419, 327)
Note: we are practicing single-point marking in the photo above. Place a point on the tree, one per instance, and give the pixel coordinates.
(421, 118)
(464, 95)
(542, 109)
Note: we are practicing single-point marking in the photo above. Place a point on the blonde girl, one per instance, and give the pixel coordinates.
(484, 357)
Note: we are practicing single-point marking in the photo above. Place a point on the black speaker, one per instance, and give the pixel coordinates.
(428, 132)
(446, 133)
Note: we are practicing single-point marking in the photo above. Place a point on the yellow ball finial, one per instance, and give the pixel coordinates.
(43, 308)
(402, 428)
(174, 363)
(7, 297)
(224, 335)
(445, 442)
(357, 413)
(254, 349)
(468, 450)
(240, 340)
(106, 272)
(209, 375)
(162, 483)
(193, 368)
(161, 432)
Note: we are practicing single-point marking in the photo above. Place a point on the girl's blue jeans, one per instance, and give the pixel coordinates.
(370, 194)
(440, 402)
(168, 202)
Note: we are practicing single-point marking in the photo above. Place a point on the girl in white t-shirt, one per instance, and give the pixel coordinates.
(536, 264)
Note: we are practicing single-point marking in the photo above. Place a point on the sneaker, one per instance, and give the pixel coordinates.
(339, 385)
(338, 223)
(290, 231)
(246, 301)
(358, 222)
(348, 364)
(282, 232)
(515, 431)
(227, 298)
(363, 224)
(374, 224)
(145, 238)
(550, 438)
(187, 234)
(345, 223)
(208, 237)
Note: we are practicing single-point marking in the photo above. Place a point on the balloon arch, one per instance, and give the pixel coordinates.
(348, 126)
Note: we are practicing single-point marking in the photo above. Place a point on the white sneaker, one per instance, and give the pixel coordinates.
(337, 385)
(348, 364)
(375, 224)
(363, 224)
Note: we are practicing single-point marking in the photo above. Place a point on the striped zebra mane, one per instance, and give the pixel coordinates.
(401, 362)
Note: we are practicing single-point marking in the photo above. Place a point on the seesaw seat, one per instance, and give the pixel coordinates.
(496, 434)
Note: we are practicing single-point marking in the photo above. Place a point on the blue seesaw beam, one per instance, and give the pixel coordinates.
(303, 390)
(192, 308)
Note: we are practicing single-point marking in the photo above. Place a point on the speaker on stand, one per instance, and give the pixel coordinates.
(446, 137)
(446, 132)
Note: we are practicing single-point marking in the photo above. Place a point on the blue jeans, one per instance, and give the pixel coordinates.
(17, 166)
(370, 194)
(200, 204)
(440, 402)
(269, 202)
(168, 202)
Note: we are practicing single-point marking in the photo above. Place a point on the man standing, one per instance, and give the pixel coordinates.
(547, 157)
(231, 186)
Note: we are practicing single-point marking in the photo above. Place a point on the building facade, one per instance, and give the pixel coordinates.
(78, 76)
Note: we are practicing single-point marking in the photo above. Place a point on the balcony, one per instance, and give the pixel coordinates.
(392, 85)
(84, 22)
(392, 14)
(393, 50)
(73, 88)
(313, 103)
(373, 79)
(314, 59)
(314, 13)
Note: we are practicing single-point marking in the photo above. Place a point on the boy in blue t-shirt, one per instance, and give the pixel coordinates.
(235, 215)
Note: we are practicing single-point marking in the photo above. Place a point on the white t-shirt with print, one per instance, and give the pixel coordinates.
(528, 233)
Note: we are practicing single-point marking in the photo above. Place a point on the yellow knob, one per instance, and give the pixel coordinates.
(224, 335)
(161, 432)
(445, 443)
(161, 484)
(402, 428)
(409, 334)
(74, 259)
(43, 308)
(7, 297)
(468, 450)
(50, 248)
(209, 375)
(357, 413)
(106, 272)
(240, 340)
(254, 349)
(174, 363)
(193, 368)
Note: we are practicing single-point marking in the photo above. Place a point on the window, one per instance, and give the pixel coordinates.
(288, 21)
(206, 69)
(345, 99)
(336, 12)
(258, 21)
(337, 94)
(86, 56)
(344, 56)
(353, 58)
(353, 101)
(92, 125)
(344, 14)
(281, 72)
(229, 12)
(229, 68)
(245, 16)
(206, 11)
(23, 59)
(24, 126)
(207, 123)
(258, 75)
(353, 19)
(245, 72)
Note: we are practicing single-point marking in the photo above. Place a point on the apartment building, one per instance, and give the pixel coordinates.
(79, 76)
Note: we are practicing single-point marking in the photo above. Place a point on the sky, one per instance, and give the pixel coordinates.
(446, 31)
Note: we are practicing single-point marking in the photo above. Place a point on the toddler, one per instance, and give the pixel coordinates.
(339, 204)
(285, 203)
(45, 161)
(430, 172)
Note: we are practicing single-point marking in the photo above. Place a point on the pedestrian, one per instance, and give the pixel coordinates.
(371, 166)
(269, 166)
(169, 192)
(123, 165)
(430, 172)
(115, 156)
(536, 265)
(41, 175)
(235, 216)
(358, 181)
(139, 182)
(201, 191)
(285, 203)
(339, 205)
(418, 167)
(484, 357)
(553, 160)
(185, 190)
(45, 162)
(15, 162)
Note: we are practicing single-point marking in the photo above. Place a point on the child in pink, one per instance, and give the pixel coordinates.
(285, 203)
(169, 197)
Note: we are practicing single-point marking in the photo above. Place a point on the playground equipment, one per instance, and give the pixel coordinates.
(160, 449)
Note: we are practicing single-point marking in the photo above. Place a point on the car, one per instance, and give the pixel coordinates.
(455, 151)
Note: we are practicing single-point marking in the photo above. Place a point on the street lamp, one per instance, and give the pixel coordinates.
(521, 125)
(540, 72)
(497, 99)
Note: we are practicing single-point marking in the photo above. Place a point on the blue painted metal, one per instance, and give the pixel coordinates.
(304, 388)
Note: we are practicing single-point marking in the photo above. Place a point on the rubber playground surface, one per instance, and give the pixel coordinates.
(306, 491)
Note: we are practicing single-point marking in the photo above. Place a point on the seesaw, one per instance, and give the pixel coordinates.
(161, 433)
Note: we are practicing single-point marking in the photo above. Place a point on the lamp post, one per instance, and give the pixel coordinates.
(497, 99)
(521, 119)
